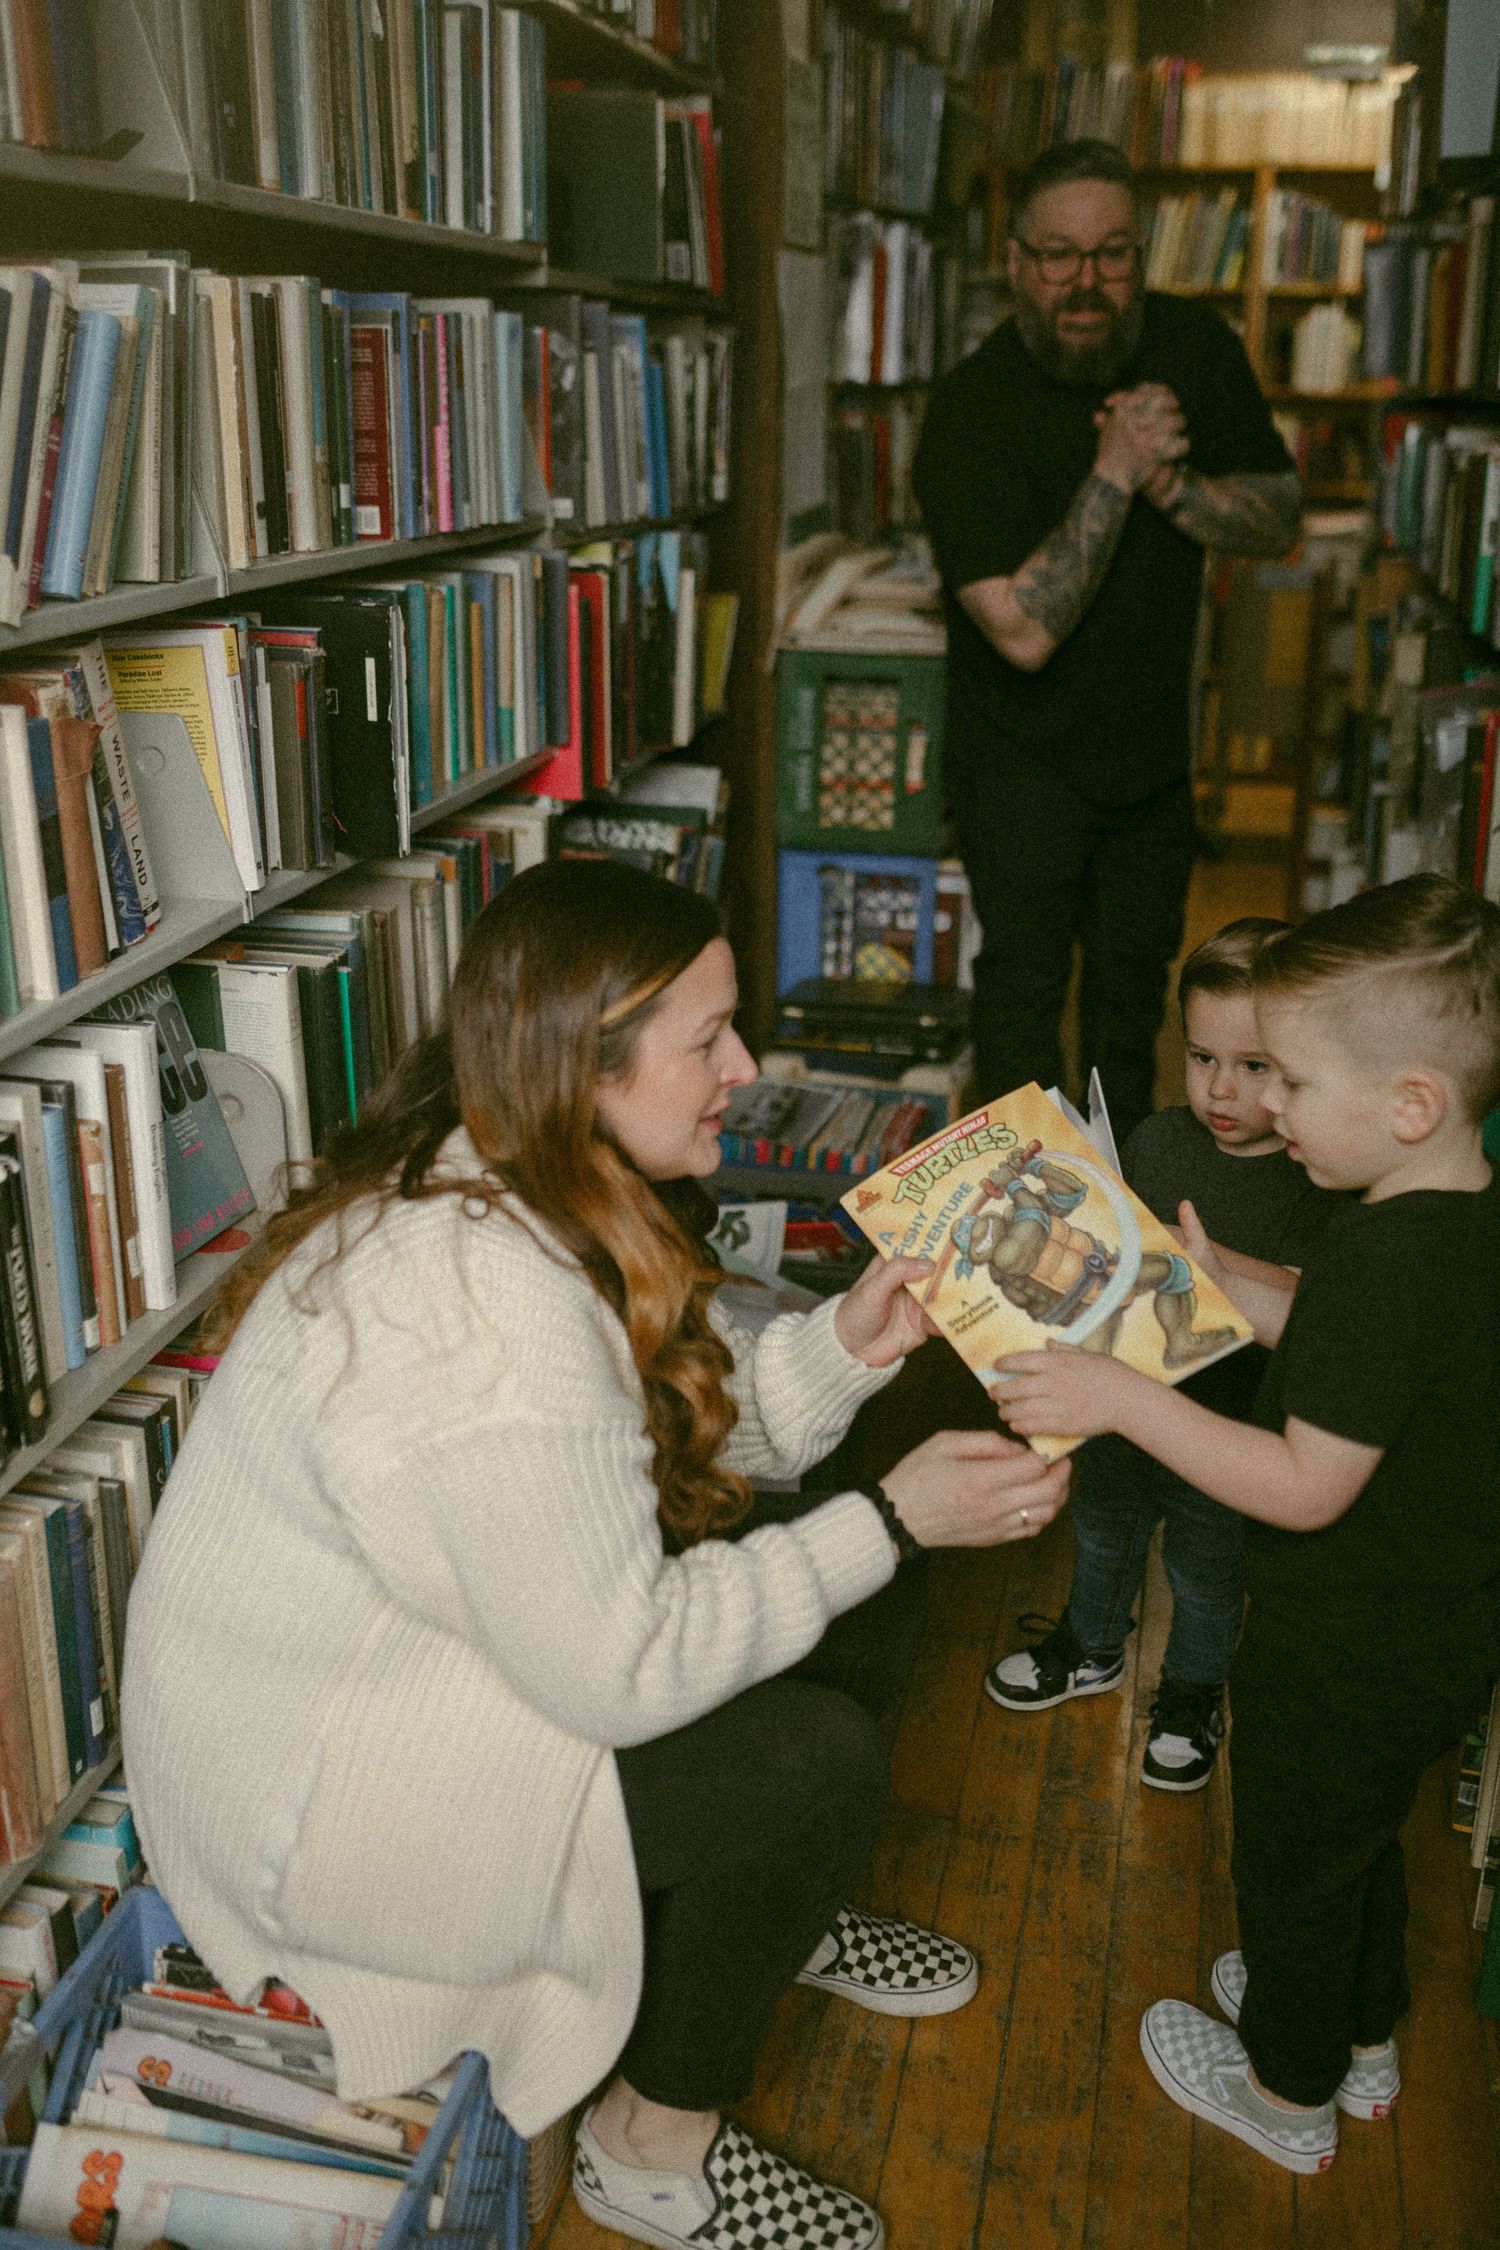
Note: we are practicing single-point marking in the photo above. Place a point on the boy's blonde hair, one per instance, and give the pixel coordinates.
(1222, 963)
(1411, 972)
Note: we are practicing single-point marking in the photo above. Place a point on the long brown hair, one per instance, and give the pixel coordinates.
(557, 978)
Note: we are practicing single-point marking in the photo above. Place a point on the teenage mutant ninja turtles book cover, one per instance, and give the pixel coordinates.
(1035, 1240)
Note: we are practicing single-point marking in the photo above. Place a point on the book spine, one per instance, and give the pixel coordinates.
(96, 1216)
(64, 1238)
(143, 914)
(90, 385)
(52, 457)
(26, 1377)
(86, 1633)
(73, 766)
(126, 1206)
(49, 828)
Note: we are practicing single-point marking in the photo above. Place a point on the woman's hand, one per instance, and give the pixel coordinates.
(878, 1320)
(975, 1488)
(1064, 1392)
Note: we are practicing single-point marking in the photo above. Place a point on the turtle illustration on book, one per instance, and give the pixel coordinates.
(1019, 1229)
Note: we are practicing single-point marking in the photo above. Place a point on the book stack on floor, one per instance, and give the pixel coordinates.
(407, 109)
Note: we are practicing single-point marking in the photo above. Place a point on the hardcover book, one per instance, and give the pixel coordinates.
(1036, 1242)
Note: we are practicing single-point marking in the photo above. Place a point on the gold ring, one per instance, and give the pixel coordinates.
(1025, 1517)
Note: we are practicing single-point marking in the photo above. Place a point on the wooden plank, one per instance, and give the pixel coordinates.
(1139, 2184)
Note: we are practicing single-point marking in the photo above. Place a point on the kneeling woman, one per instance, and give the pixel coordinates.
(462, 1687)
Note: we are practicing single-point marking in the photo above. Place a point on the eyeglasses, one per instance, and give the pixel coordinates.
(1060, 263)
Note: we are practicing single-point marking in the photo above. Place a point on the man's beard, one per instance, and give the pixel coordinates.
(1089, 366)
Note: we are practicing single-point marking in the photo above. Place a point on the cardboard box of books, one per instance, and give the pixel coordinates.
(1036, 1241)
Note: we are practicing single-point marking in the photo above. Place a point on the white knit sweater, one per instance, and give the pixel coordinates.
(405, 1593)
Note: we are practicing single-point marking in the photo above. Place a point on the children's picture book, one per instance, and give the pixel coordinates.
(1036, 1241)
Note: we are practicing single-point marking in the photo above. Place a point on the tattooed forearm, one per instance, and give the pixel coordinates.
(1055, 586)
(1240, 515)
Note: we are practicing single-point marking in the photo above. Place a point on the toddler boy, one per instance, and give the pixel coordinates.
(1372, 1485)
(1223, 1152)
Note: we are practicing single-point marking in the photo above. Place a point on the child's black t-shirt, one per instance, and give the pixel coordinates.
(1262, 1206)
(1394, 1340)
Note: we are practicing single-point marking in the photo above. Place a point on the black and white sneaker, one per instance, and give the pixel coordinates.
(747, 2199)
(1187, 1726)
(1052, 1669)
(892, 1968)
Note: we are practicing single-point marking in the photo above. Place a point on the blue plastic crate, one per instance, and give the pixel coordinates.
(485, 2206)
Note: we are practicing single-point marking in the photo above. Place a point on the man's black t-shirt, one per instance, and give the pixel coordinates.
(1004, 449)
(1394, 1341)
(1262, 1206)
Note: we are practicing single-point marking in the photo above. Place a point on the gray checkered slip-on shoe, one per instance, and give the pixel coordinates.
(748, 2199)
(1371, 2083)
(1203, 2067)
(892, 1968)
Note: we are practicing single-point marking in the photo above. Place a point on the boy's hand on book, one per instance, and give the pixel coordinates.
(975, 1488)
(879, 1320)
(1203, 1253)
(1065, 1392)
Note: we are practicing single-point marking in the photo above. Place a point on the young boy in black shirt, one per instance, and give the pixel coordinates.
(1223, 1153)
(1373, 1488)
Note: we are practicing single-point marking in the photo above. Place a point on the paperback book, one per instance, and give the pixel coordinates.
(1035, 1241)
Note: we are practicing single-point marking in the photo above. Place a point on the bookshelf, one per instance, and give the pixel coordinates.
(159, 183)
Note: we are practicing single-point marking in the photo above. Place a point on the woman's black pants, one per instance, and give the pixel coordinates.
(751, 1827)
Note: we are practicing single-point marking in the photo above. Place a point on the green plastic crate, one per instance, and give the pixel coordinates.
(859, 751)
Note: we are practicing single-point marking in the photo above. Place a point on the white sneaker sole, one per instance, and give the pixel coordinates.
(1023, 1702)
(610, 2216)
(1178, 1788)
(1352, 2105)
(913, 2004)
(1290, 2160)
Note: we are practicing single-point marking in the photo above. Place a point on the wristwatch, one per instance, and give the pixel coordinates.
(907, 1548)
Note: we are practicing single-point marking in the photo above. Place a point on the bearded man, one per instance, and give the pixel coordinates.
(1071, 474)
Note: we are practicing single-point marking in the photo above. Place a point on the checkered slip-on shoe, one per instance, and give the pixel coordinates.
(892, 1968)
(748, 2199)
(1203, 2067)
(1371, 2083)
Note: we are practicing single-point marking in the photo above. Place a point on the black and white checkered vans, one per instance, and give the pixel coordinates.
(748, 2199)
(892, 1968)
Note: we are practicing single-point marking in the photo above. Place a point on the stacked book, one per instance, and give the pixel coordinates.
(1439, 501)
(881, 1030)
(323, 996)
(1432, 303)
(811, 1127)
(874, 446)
(95, 426)
(633, 186)
(883, 119)
(668, 820)
(1307, 241)
(76, 1881)
(418, 109)
(71, 1535)
(49, 75)
(686, 29)
(1168, 111)
(1197, 241)
(185, 2096)
(76, 881)
(627, 417)
(884, 300)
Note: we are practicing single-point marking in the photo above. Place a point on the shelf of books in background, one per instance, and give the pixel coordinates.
(894, 286)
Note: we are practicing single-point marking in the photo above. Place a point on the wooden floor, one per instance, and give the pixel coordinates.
(1028, 2121)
